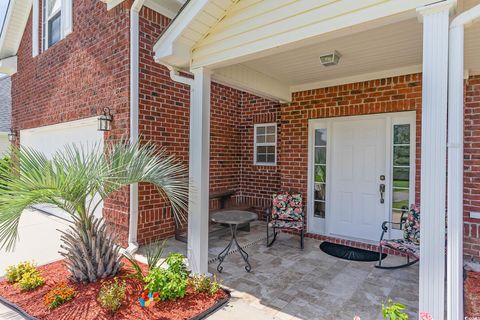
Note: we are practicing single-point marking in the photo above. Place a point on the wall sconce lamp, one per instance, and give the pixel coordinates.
(105, 120)
(12, 136)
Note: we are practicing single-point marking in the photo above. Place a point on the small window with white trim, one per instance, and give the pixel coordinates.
(52, 22)
(265, 144)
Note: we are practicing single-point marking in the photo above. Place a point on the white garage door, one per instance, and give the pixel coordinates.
(50, 139)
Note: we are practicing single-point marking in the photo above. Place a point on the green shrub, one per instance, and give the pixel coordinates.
(31, 280)
(25, 275)
(59, 295)
(111, 295)
(176, 264)
(171, 283)
(15, 273)
(393, 311)
(202, 283)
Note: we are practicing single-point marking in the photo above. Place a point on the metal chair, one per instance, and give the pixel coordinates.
(409, 244)
(286, 213)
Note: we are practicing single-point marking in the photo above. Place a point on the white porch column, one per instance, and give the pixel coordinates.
(455, 163)
(434, 166)
(199, 171)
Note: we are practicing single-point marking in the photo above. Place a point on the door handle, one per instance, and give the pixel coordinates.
(382, 192)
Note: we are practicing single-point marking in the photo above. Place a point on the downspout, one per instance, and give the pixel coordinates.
(455, 163)
(134, 132)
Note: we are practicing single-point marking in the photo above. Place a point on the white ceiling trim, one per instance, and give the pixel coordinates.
(358, 78)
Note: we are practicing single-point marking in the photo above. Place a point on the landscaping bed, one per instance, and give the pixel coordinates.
(85, 305)
(472, 294)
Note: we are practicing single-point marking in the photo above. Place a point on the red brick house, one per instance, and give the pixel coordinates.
(237, 90)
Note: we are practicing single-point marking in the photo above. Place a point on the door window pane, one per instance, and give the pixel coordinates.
(400, 198)
(320, 172)
(321, 137)
(401, 134)
(400, 171)
(320, 155)
(401, 177)
(401, 155)
(319, 209)
(320, 191)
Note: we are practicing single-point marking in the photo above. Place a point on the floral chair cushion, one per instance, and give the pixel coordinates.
(411, 228)
(286, 224)
(403, 245)
(286, 206)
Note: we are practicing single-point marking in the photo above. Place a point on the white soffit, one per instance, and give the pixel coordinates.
(15, 22)
(386, 51)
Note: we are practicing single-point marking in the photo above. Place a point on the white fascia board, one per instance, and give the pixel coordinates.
(246, 79)
(8, 65)
(165, 47)
(386, 13)
(358, 78)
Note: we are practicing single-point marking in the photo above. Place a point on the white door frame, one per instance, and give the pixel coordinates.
(322, 226)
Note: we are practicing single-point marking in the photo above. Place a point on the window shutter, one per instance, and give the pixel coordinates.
(67, 17)
(35, 28)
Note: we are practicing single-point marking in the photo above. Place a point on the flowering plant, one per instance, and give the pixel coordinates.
(58, 295)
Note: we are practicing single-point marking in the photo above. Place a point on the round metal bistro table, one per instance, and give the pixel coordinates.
(233, 218)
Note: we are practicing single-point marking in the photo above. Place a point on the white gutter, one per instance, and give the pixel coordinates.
(134, 132)
(455, 163)
(175, 76)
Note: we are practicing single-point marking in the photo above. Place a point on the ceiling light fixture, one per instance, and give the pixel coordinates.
(330, 59)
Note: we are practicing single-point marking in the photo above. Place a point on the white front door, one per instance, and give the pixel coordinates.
(350, 158)
(359, 161)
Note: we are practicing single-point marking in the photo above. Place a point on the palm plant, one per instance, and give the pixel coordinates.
(71, 179)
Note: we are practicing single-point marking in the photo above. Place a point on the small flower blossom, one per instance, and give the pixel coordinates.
(425, 316)
(356, 318)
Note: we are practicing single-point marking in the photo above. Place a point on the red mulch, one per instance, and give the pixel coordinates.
(472, 294)
(85, 305)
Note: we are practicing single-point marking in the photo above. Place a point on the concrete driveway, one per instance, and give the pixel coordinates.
(39, 240)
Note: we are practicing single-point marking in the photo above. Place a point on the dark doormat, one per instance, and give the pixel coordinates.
(349, 253)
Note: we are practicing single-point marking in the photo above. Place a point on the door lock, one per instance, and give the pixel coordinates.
(382, 192)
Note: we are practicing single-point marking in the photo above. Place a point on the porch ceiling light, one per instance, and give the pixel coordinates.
(330, 59)
(12, 136)
(105, 120)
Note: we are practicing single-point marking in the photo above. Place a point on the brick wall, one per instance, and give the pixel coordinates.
(472, 169)
(76, 78)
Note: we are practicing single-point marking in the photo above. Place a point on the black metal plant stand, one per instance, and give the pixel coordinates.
(226, 251)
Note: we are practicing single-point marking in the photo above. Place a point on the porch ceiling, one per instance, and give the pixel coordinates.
(390, 50)
(394, 46)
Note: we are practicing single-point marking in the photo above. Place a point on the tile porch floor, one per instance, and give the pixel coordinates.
(287, 283)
